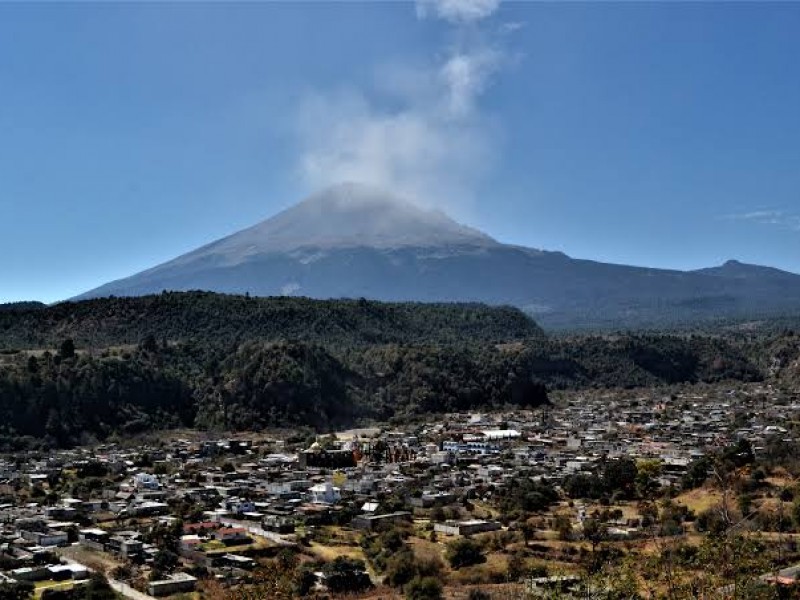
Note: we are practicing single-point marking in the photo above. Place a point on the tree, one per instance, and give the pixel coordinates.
(583, 485)
(796, 511)
(346, 575)
(738, 455)
(563, 526)
(122, 573)
(464, 553)
(697, 473)
(98, 588)
(528, 531)
(516, 567)
(437, 514)
(594, 531)
(67, 349)
(620, 476)
(149, 344)
(304, 580)
(400, 569)
(646, 477)
(526, 495)
(165, 560)
(745, 504)
(21, 590)
(424, 588)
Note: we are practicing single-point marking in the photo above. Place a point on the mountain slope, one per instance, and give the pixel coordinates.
(356, 241)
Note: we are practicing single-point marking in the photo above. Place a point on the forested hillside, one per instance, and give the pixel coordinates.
(20, 306)
(222, 318)
(80, 372)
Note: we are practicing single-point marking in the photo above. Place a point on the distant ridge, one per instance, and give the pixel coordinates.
(353, 240)
(21, 306)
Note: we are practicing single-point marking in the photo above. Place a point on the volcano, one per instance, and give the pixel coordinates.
(353, 240)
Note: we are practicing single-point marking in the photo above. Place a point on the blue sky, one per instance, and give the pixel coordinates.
(664, 134)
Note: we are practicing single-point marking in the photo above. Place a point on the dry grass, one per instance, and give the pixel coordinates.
(327, 552)
(98, 561)
(700, 499)
(425, 549)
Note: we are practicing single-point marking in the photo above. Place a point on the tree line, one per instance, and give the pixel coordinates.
(81, 372)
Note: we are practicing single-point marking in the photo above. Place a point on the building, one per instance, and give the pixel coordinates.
(370, 522)
(328, 459)
(47, 538)
(325, 493)
(175, 584)
(232, 535)
(469, 527)
(146, 481)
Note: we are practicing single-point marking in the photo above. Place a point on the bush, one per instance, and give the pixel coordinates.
(346, 575)
(464, 553)
(400, 569)
(424, 588)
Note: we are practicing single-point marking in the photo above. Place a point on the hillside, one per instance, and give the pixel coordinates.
(352, 241)
(231, 362)
(217, 318)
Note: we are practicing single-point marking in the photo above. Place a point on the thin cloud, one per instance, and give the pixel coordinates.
(511, 26)
(457, 11)
(778, 218)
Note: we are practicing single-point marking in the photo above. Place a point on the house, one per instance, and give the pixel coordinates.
(125, 545)
(370, 522)
(468, 527)
(47, 538)
(175, 584)
(149, 508)
(325, 493)
(232, 535)
(278, 524)
(190, 541)
(204, 527)
(370, 507)
(329, 459)
(146, 481)
(236, 561)
(61, 513)
(93, 538)
(426, 500)
(238, 506)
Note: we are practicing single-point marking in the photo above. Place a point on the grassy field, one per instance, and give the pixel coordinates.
(700, 499)
(49, 584)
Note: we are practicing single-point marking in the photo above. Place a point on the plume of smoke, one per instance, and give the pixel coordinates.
(434, 144)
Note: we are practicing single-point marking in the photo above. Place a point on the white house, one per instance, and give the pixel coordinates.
(146, 481)
(325, 493)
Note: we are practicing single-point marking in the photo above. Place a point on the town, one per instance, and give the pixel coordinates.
(504, 500)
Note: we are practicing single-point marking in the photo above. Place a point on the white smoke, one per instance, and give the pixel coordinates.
(465, 76)
(434, 144)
